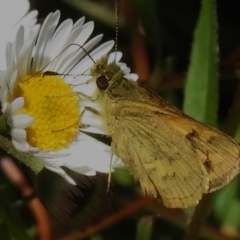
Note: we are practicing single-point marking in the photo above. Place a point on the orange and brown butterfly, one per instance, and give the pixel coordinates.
(175, 158)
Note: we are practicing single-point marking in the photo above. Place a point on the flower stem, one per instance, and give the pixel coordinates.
(27, 158)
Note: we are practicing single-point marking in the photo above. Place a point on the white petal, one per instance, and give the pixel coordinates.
(34, 150)
(22, 121)
(88, 153)
(114, 57)
(4, 85)
(85, 33)
(12, 81)
(59, 38)
(19, 41)
(124, 68)
(17, 104)
(117, 162)
(78, 80)
(5, 107)
(19, 134)
(87, 62)
(99, 159)
(45, 35)
(9, 53)
(29, 19)
(131, 76)
(102, 50)
(87, 89)
(92, 119)
(62, 59)
(69, 65)
(91, 172)
(21, 146)
(78, 23)
(25, 60)
(76, 30)
(52, 155)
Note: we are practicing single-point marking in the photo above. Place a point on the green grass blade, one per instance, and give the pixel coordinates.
(201, 89)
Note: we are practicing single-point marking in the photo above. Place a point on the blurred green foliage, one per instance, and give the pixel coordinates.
(201, 88)
(14, 215)
(145, 228)
(190, 38)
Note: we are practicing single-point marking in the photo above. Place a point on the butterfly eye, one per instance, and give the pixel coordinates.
(102, 83)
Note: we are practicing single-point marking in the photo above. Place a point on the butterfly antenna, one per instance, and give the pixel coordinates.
(116, 26)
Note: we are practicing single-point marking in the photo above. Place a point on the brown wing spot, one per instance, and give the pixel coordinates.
(157, 113)
(167, 177)
(211, 139)
(190, 136)
(208, 165)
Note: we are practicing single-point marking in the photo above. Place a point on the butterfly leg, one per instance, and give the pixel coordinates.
(110, 174)
(90, 109)
(91, 121)
(84, 97)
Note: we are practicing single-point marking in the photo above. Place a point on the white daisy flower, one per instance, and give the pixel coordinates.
(40, 99)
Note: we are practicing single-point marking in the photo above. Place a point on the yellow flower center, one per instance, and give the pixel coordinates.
(54, 107)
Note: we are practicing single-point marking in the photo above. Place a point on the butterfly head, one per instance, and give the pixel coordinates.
(106, 73)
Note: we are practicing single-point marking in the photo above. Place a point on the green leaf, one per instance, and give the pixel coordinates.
(122, 177)
(237, 135)
(201, 90)
(224, 198)
(145, 228)
(232, 218)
